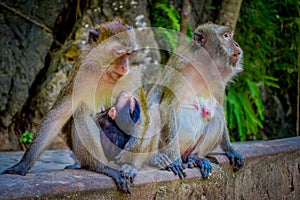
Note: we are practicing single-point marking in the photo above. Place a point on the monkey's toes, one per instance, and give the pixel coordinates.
(123, 185)
(235, 159)
(205, 168)
(128, 172)
(202, 163)
(177, 168)
(238, 164)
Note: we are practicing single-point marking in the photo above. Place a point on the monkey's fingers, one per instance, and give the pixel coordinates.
(176, 171)
(239, 163)
(123, 185)
(235, 159)
(202, 163)
(128, 172)
(178, 168)
(163, 160)
(205, 167)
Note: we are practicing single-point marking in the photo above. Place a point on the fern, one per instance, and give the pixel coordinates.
(172, 14)
(164, 15)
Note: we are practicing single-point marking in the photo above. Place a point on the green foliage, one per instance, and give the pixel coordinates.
(166, 17)
(26, 137)
(266, 31)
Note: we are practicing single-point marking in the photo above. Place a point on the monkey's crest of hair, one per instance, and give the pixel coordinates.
(111, 28)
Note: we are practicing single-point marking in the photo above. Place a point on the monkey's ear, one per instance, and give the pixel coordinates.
(112, 113)
(93, 36)
(200, 38)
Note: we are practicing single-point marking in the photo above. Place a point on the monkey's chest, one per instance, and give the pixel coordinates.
(190, 123)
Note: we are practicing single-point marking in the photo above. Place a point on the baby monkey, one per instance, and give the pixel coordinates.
(116, 124)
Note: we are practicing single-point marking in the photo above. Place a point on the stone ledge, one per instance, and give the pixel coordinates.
(272, 171)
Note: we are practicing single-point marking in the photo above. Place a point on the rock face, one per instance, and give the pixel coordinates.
(24, 47)
(35, 65)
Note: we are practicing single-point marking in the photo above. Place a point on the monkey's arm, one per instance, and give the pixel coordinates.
(88, 148)
(235, 158)
(49, 128)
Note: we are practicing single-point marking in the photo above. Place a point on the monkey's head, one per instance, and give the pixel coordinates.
(124, 114)
(218, 42)
(117, 42)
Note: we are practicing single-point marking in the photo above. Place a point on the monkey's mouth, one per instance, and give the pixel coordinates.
(234, 59)
(116, 76)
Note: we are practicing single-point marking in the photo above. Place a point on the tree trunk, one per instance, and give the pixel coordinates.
(229, 13)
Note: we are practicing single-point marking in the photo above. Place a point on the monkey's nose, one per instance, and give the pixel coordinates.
(123, 69)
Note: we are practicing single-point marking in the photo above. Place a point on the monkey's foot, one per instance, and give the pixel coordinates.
(177, 168)
(19, 168)
(202, 163)
(128, 172)
(235, 159)
(122, 183)
(160, 160)
(74, 166)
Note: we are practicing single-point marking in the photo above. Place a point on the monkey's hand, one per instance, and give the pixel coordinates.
(177, 168)
(128, 172)
(235, 159)
(20, 168)
(123, 183)
(202, 163)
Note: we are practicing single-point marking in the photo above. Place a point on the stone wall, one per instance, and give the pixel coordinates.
(271, 171)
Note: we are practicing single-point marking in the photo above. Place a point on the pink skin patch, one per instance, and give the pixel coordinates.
(188, 152)
(205, 112)
(197, 106)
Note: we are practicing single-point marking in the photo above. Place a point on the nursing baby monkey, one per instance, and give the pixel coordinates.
(90, 86)
(116, 124)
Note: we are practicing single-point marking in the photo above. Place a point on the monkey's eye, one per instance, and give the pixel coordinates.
(227, 35)
(120, 51)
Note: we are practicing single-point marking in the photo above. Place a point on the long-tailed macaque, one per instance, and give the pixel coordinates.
(89, 87)
(190, 94)
(116, 124)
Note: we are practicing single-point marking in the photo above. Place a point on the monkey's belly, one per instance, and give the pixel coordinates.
(190, 128)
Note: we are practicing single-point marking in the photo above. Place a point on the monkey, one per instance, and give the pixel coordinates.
(89, 87)
(116, 124)
(190, 95)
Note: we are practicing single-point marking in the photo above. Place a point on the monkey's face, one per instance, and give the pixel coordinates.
(218, 42)
(119, 67)
(235, 52)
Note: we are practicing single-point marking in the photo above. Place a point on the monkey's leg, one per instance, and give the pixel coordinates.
(49, 128)
(88, 149)
(235, 158)
(170, 142)
(67, 130)
(202, 163)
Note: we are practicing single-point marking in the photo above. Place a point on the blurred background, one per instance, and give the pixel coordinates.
(40, 41)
